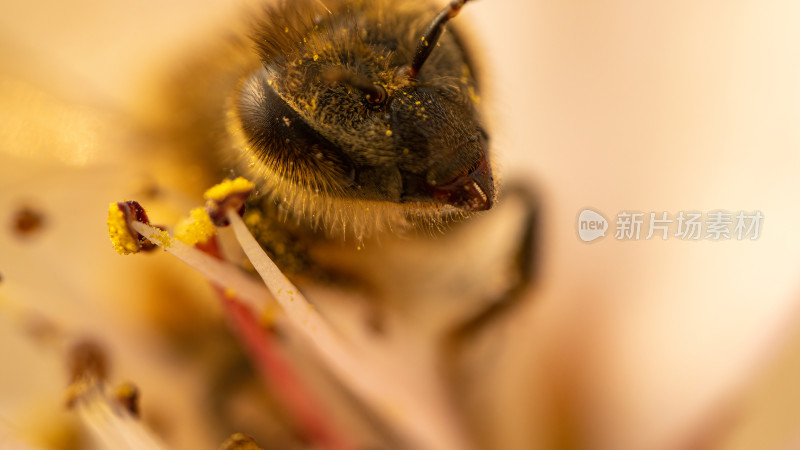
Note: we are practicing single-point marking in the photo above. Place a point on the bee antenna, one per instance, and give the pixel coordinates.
(431, 37)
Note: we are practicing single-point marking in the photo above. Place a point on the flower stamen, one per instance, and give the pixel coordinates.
(408, 397)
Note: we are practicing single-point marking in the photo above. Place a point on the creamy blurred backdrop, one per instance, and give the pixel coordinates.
(610, 105)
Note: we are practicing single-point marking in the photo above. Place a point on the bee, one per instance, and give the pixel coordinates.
(359, 121)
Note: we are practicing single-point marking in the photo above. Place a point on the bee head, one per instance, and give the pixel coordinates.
(359, 107)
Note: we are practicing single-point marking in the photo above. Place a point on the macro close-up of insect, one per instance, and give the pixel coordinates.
(355, 120)
(398, 224)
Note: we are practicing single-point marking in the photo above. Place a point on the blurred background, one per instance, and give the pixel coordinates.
(609, 105)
